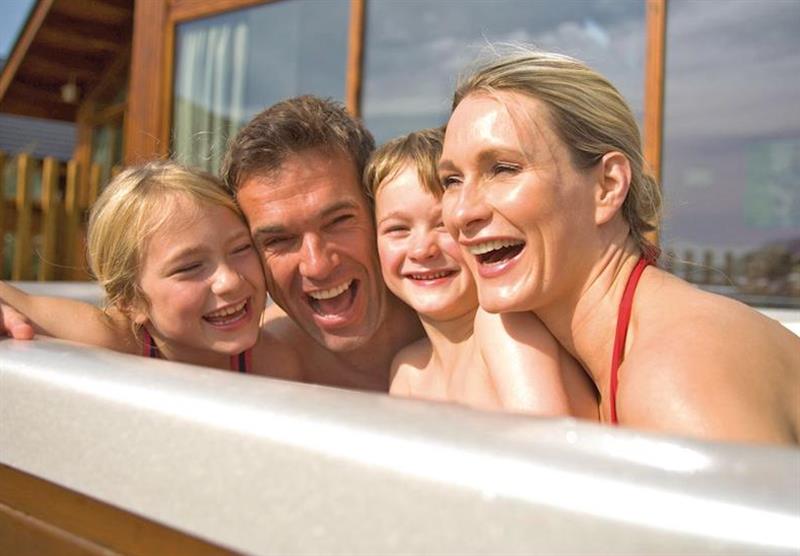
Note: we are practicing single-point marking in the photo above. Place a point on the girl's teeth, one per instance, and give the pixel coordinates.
(483, 248)
(331, 293)
(228, 311)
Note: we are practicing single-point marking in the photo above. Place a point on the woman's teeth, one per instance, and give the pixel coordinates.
(483, 248)
(330, 293)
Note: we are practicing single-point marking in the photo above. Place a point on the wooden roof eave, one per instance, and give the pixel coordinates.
(24, 41)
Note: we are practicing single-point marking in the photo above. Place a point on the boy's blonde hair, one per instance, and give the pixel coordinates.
(587, 112)
(419, 149)
(133, 206)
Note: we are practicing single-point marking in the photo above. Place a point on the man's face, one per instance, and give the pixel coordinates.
(313, 228)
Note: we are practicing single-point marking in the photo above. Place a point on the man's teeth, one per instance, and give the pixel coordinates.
(431, 275)
(227, 311)
(328, 294)
(487, 247)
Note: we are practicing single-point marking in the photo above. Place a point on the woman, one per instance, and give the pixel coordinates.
(546, 193)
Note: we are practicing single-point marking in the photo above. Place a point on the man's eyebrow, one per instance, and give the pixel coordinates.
(279, 229)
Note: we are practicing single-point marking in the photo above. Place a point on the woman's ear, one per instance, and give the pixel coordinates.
(612, 187)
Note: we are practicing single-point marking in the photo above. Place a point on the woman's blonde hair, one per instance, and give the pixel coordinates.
(589, 115)
(420, 150)
(133, 206)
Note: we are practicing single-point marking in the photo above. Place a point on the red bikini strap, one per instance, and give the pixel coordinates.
(623, 319)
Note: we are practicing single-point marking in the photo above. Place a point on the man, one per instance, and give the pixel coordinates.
(296, 170)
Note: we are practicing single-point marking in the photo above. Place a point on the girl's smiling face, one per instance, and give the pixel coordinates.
(421, 263)
(203, 282)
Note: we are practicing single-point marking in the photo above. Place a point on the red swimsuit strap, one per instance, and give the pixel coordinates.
(623, 319)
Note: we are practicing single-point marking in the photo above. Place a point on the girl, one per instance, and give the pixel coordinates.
(508, 362)
(170, 248)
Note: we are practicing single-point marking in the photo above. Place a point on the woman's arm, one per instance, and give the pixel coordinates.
(68, 319)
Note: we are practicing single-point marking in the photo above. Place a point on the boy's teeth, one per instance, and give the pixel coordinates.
(430, 276)
(483, 248)
(227, 311)
(331, 293)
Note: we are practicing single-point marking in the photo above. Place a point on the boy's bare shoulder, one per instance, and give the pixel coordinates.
(416, 355)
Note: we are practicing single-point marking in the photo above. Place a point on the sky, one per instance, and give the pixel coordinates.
(14, 14)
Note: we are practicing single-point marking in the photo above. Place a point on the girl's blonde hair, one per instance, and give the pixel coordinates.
(420, 150)
(134, 205)
(588, 113)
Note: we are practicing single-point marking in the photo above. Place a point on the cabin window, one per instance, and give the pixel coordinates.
(731, 173)
(231, 66)
(414, 50)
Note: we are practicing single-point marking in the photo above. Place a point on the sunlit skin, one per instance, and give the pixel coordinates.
(421, 262)
(202, 295)
(190, 274)
(567, 253)
(522, 193)
(493, 362)
(314, 230)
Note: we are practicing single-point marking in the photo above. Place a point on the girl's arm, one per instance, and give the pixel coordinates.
(523, 359)
(68, 319)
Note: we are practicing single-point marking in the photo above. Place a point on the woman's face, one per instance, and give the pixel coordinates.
(203, 281)
(519, 209)
(421, 262)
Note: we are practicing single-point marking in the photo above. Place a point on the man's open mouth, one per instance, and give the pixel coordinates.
(333, 301)
(228, 315)
(497, 251)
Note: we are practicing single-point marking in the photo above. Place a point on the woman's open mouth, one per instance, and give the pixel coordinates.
(496, 251)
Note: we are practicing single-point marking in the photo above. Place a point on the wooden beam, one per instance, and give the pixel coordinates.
(184, 10)
(2, 213)
(22, 237)
(146, 111)
(14, 104)
(72, 220)
(83, 70)
(50, 209)
(69, 39)
(98, 523)
(32, 26)
(654, 85)
(97, 12)
(655, 68)
(355, 57)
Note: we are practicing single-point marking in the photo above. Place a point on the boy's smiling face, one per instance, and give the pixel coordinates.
(421, 263)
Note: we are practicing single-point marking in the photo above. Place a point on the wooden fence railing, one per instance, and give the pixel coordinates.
(43, 207)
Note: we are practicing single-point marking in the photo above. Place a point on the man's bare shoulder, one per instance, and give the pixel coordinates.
(277, 358)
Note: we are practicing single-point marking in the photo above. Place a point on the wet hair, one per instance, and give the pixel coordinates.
(420, 150)
(587, 112)
(137, 202)
(290, 127)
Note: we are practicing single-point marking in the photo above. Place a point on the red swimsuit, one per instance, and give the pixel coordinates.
(239, 362)
(623, 318)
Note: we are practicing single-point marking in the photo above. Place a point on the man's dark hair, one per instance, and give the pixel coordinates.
(292, 126)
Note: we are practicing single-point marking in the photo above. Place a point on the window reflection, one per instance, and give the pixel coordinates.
(414, 50)
(231, 66)
(732, 148)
